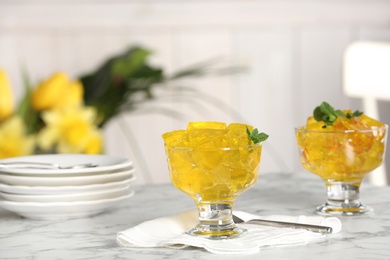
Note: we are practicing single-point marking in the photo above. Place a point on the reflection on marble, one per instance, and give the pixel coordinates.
(363, 237)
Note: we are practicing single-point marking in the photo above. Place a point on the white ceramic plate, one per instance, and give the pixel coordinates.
(69, 197)
(60, 174)
(62, 210)
(65, 181)
(104, 163)
(46, 190)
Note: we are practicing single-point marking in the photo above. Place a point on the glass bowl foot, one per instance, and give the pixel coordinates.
(343, 210)
(343, 200)
(215, 222)
(217, 232)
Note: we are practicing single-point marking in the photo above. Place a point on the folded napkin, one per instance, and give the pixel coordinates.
(170, 232)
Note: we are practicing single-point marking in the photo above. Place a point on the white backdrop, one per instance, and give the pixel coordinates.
(292, 51)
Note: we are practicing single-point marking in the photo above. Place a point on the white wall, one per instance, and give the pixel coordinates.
(292, 49)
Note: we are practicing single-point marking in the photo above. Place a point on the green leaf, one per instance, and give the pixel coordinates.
(123, 81)
(25, 110)
(117, 80)
(126, 65)
(255, 136)
(329, 115)
(357, 113)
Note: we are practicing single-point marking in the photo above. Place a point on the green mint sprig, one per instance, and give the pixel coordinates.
(328, 114)
(255, 136)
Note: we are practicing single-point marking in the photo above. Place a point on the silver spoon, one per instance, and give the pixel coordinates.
(38, 165)
(312, 228)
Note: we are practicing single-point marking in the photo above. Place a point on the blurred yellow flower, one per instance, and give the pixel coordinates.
(68, 115)
(6, 98)
(13, 138)
(56, 92)
(94, 144)
(71, 129)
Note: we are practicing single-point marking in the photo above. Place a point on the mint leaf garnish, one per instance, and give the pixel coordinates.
(255, 136)
(328, 114)
(357, 113)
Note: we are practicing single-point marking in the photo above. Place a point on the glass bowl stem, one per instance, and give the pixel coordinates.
(216, 221)
(343, 199)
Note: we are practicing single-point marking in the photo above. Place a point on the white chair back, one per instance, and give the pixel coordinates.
(366, 75)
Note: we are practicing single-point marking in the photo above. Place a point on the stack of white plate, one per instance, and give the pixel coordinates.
(65, 193)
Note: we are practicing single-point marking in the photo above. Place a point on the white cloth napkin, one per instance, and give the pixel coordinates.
(170, 232)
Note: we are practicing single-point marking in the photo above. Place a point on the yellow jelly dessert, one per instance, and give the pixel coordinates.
(341, 145)
(212, 161)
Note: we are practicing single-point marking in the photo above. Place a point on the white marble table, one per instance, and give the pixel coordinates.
(363, 237)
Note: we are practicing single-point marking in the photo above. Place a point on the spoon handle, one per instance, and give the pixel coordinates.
(282, 224)
(312, 228)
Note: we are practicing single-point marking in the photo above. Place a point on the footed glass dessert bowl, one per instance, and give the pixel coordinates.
(342, 153)
(214, 163)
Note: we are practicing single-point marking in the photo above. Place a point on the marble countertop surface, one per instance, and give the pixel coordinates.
(362, 237)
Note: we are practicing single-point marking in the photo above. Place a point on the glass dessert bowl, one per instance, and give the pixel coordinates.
(342, 153)
(213, 163)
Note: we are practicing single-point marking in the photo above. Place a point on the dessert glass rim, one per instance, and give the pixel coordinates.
(302, 128)
(181, 147)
